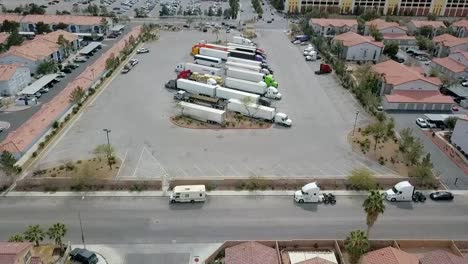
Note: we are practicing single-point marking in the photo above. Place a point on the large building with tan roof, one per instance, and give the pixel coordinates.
(331, 27)
(446, 44)
(407, 88)
(454, 66)
(356, 47)
(13, 78)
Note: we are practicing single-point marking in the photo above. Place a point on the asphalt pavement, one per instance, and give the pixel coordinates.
(134, 220)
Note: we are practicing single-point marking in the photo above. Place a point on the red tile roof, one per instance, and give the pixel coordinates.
(10, 250)
(54, 36)
(7, 71)
(389, 255)
(69, 20)
(316, 260)
(427, 23)
(334, 22)
(251, 253)
(397, 36)
(36, 260)
(380, 24)
(349, 39)
(3, 37)
(10, 17)
(450, 64)
(442, 256)
(395, 73)
(461, 23)
(449, 40)
(418, 96)
(34, 50)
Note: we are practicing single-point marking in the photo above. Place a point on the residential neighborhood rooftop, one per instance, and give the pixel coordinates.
(449, 40)
(389, 255)
(10, 250)
(334, 22)
(54, 36)
(442, 256)
(349, 39)
(382, 24)
(33, 50)
(252, 253)
(418, 96)
(428, 23)
(398, 36)
(450, 64)
(461, 23)
(7, 71)
(395, 73)
(53, 19)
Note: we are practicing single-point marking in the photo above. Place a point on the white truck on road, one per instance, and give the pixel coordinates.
(258, 111)
(401, 192)
(214, 53)
(198, 68)
(203, 113)
(253, 87)
(310, 193)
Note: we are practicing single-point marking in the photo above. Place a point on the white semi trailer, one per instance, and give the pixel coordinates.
(253, 87)
(244, 61)
(244, 74)
(242, 41)
(198, 68)
(214, 91)
(259, 111)
(214, 53)
(203, 113)
(243, 66)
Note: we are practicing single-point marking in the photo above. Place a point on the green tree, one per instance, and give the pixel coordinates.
(61, 26)
(356, 244)
(423, 170)
(42, 28)
(431, 17)
(35, 234)
(105, 150)
(450, 122)
(373, 206)
(180, 11)
(375, 33)
(362, 179)
(426, 31)
(7, 162)
(16, 238)
(14, 39)
(433, 72)
(104, 24)
(411, 147)
(391, 49)
(57, 232)
(424, 43)
(35, 9)
(77, 95)
(215, 31)
(93, 9)
(164, 11)
(219, 12)
(75, 10)
(103, 11)
(378, 131)
(64, 44)
(227, 13)
(9, 26)
(234, 8)
(46, 67)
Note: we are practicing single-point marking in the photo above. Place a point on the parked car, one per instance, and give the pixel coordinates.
(464, 84)
(421, 122)
(72, 66)
(142, 50)
(455, 108)
(133, 62)
(441, 196)
(61, 74)
(67, 70)
(269, 21)
(83, 256)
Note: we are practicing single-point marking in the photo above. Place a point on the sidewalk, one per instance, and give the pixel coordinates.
(211, 193)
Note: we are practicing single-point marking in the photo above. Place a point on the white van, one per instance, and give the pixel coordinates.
(188, 193)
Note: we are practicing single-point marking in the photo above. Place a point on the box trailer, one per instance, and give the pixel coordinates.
(244, 74)
(226, 93)
(244, 61)
(258, 111)
(196, 87)
(214, 53)
(198, 68)
(243, 66)
(253, 87)
(242, 41)
(203, 113)
(246, 48)
(245, 55)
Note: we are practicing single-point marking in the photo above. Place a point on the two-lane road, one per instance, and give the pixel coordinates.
(153, 220)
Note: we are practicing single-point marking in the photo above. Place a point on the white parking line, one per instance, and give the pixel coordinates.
(218, 171)
(235, 171)
(196, 167)
(138, 162)
(122, 164)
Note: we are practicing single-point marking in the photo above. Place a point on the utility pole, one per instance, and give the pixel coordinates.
(82, 233)
(355, 121)
(108, 147)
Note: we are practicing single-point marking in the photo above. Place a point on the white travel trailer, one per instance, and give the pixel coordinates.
(188, 194)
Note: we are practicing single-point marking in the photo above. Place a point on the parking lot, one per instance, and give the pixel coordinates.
(136, 107)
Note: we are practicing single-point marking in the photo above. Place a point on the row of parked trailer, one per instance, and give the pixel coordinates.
(225, 82)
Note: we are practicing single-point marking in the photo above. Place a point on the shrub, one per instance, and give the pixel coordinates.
(69, 166)
(41, 145)
(362, 179)
(256, 183)
(56, 124)
(210, 186)
(78, 162)
(34, 154)
(61, 167)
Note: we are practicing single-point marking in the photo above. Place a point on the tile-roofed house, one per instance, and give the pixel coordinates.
(331, 27)
(32, 53)
(461, 28)
(316, 260)
(359, 48)
(3, 37)
(415, 25)
(405, 88)
(13, 78)
(389, 255)
(454, 66)
(55, 35)
(446, 44)
(15, 252)
(384, 27)
(252, 253)
(404, 41)
(442, 256)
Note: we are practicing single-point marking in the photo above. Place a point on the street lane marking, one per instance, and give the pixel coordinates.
(122, 164)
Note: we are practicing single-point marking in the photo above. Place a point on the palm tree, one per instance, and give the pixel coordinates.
(373, 206)
(57, 232)
(216, 32)
(64, 44)
(35, 234)
(18, 237)
(357, 245)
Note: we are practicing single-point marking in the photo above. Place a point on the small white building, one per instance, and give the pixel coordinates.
(414, 26)
(446, 44)
(454, 66)
(331, 27)
(461, 28)
(359, 48)
(460, 134)
(384, 27)
(13, 78)
(407, 88)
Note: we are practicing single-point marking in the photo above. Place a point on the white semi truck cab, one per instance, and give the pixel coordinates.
(282, 118)
(309, 193)
(402, 192)
(272, 92)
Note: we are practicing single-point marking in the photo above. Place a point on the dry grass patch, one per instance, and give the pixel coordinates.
(49, 254)
(95, 167)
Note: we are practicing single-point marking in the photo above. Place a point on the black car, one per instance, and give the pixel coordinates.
(441, 196)
(67, 70)
(83, 256)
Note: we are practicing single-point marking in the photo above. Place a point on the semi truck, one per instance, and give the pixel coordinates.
(260, 88)
(310, 193)
(198, 68)
(246, 47)
(196, 47)
(203, 113)
(251, 76)
(246, 55)
(258, 111)
(214, 53)
(200, 99)
(251, 62)
(242, 41)
(248, 67)
(200, 77)
(401, 192)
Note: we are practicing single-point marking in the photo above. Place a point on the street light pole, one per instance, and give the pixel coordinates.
(355, 121)
(82, 233)
(108, 147)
